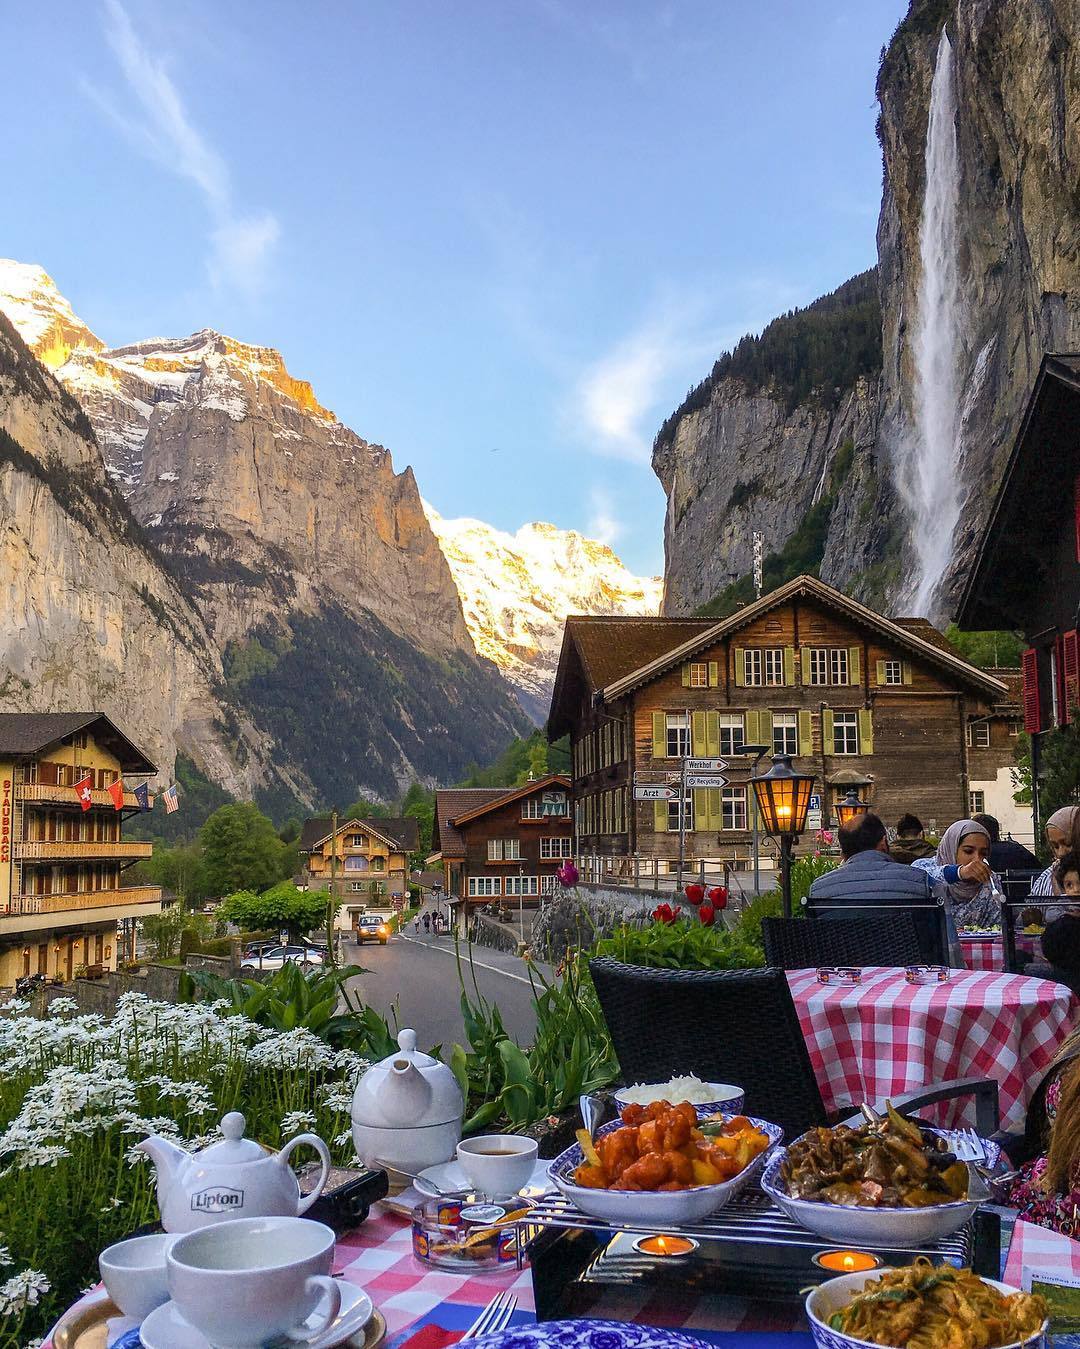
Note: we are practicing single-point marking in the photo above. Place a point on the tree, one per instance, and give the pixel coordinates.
(281, 906)
(987, 649)
(419, 802)
(363, 809)
(240, 848)
(163, 931)
(178, 869)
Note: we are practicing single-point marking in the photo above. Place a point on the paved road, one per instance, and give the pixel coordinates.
(422, 975)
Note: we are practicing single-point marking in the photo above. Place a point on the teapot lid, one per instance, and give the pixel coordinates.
(388, 1095)
(235, 1147)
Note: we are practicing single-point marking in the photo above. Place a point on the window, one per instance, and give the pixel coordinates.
(357, 840)
(547, 803)
(678, 735)
(976, 803)
(845, 733)
(732, 732)
(356, 887)
(548, 883)
(378, 863)
(894, 671)
(978, 734)
(838, 665)
(733, 808)
(785, 733)
(503, 850)
(556, 847)
(673, 813)
(521, 885)
(763, 665)
(699, 675)
(1015, 727)
(484, 886)
(828, 665)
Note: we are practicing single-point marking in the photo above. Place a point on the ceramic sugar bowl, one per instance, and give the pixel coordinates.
(236, 1178)
(407, 1111)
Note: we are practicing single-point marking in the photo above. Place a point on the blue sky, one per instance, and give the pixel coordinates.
(501, 237)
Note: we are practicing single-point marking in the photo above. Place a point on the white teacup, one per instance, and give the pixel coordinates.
(498, 1164)
(240, 1283)
(134, 1273)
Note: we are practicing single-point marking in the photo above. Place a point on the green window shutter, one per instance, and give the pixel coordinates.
(715, 820)
(804, 664)
(712, 735)
(828, 744)
(659, 735)
(740, 668)
(660, 817)
(714, 674)
(697, 734)
(907, 671)
(789, 665)
(750, 723)
(879, 677)
(686, 676)
(806, 734)
(866, 731)
(764, 727)
(854, 665)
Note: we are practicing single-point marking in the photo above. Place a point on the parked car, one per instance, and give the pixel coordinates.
(257, 948)
(370, 927)
(277, 956)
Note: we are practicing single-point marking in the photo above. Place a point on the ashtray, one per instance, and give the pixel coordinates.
(927, 974)
(452, 1233)
(839, 974)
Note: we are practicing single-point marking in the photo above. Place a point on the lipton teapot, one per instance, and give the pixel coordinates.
(407, 1111)
(236, 1178)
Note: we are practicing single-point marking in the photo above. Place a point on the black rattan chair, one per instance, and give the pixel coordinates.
(931, 932)
(737, 1026)
(801, 944)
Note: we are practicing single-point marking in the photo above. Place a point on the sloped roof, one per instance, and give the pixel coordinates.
(512, 794)
(451, 803)
(1013, 679)
(922, 627)
(811, 587)
(32, 732)
(403, 832)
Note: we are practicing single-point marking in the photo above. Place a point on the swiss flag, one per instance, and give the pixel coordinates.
(116, 791)
(84, 791)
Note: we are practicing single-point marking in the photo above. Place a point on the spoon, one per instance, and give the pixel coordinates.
(412, 1176)
(593, 1108)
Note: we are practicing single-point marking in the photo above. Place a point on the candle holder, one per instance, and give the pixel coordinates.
(847, 1262)
(665, 1247)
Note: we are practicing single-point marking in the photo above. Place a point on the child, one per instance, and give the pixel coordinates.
(1061, 940)
(1047, 1191)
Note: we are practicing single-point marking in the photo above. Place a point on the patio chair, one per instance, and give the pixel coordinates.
(737, 1026)
(800, 944)
(931, 930)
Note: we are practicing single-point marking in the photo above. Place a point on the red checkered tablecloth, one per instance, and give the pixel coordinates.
(884, 1036)
(1039, 1249)
(983, 952)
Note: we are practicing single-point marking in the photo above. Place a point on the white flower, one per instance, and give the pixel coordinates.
(343, 1140)
(296, 1122)
(22, 1291)
(63, 1007)
(6, 1257)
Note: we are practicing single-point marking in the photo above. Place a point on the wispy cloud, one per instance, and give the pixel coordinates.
(602, 526)
(240, 244)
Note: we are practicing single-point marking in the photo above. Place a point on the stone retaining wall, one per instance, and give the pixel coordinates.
(495, 935)
(159, 982)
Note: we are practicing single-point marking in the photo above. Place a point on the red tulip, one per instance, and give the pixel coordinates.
(707, 914)
(664, 913)
(695, 893)
(718, 896)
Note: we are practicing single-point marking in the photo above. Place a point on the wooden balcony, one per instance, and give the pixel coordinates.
(65, 796)
(86, 899)
(80, 852)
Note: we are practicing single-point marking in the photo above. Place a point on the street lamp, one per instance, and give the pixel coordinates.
(849, 810)
(783, 798)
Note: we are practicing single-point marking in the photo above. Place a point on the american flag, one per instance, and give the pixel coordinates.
(169, 797)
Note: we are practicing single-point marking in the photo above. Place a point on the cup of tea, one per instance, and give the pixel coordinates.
(244, 1282)
(133, 1273)
(498, 1164)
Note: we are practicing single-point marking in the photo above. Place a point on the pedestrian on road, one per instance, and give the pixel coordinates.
(416, 924)
(427, 923)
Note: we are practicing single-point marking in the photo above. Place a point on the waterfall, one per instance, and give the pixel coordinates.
(928, 480)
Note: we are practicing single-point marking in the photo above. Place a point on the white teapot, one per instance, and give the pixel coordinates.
(233, 1179)
(407, 1111)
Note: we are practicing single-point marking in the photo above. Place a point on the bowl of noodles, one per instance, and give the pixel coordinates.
(924, 1306)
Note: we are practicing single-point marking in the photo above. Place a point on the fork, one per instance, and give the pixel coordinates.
(495, 1316)
(967, 1145)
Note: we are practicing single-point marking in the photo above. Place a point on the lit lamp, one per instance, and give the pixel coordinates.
(848, 810)
(783, 799)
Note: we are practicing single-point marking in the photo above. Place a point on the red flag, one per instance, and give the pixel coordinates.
(116, 791)
(84, 790)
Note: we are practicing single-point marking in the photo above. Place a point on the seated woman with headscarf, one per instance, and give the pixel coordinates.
(960, 865)
(1062, 836)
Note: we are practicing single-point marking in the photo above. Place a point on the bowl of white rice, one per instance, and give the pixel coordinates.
(708, 1098)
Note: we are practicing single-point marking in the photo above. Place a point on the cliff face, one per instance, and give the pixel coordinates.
(1017, 231)
(1017, 89)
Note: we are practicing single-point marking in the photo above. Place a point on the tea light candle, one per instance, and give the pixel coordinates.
(665, 1246)
(846, 1262)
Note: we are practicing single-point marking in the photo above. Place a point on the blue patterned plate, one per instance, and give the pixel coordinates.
(588, 1335)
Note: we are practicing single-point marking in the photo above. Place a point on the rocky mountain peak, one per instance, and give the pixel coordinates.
(43, 317)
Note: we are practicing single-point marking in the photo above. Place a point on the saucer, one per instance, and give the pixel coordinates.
(165, 1328)
(450, 1178)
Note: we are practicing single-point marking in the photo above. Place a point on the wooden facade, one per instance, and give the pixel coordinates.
(364, 863)
(503, 844)
(857, 700)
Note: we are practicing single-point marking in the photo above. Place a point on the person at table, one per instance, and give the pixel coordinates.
(1047, 1189)
(910, 842)
(1062, 835)
(961, 867)
(1006, 854)
(869, 878)
(1061, 936)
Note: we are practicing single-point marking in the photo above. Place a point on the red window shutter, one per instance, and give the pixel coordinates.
(1071, 669)
(1029, 664)
(1076, 514)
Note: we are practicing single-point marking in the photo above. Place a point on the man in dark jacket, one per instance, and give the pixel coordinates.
(869, 879)
(1008, 855)
(909, 843)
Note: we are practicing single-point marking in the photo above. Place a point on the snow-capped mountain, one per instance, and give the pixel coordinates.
(517, 589)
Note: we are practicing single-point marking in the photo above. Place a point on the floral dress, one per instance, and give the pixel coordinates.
(1061, 1212)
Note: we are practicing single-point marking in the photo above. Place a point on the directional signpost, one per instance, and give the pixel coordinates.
(705, 765)
(705, 780)
(655, 793)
